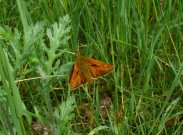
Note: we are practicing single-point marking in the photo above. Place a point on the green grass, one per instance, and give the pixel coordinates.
(142, 39)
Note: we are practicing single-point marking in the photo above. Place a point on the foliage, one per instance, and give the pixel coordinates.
(143, 41)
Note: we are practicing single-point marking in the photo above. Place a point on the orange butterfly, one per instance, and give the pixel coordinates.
(86, 70)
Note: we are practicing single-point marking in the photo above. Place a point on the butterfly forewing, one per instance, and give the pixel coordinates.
(76, 78)
(99, 68)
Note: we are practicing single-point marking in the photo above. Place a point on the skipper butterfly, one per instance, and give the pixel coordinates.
(86, 70)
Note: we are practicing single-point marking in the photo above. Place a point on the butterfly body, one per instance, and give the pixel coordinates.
(86, 70)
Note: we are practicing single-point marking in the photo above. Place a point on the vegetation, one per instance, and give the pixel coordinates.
(143, 41)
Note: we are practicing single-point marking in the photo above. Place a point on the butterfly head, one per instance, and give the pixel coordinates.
(78, 56)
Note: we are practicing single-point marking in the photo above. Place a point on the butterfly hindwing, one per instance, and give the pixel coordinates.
(76, 77)
(99, 68)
